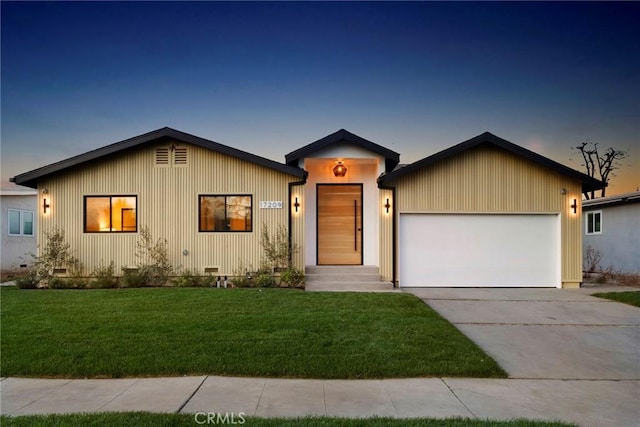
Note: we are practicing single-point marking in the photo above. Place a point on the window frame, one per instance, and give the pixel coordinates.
(200, 196)
(590, 219)
(111, 197)
(21, 213)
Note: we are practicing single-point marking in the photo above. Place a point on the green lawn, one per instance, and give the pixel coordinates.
(141, 419)
(244, 332)
(630, 297)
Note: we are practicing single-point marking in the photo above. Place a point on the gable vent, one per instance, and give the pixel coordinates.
(162, 156)
(180, 156)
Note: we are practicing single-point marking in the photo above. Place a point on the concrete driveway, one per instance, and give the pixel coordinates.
(545, 333)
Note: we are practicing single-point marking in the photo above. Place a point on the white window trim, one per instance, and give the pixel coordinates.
(586, 223)
(21, 212)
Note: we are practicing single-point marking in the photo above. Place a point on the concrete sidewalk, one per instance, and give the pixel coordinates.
(585, 402)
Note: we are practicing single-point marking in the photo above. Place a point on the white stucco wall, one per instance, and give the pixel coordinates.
(14, 248)
(619, 242)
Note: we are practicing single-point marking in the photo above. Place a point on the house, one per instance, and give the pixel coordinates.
(19, 222)
(485, 212)
(612, 228)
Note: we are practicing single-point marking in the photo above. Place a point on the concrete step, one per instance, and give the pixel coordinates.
(344, 277)
(341, 269)
(349, 286)
(351, 278)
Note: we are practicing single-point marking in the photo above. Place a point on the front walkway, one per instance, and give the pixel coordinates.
(587, 403)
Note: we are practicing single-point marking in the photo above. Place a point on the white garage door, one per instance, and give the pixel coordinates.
(479, 250)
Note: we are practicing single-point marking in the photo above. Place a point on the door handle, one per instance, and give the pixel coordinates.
(355, 225)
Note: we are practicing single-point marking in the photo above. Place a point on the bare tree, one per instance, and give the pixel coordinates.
(601, 166)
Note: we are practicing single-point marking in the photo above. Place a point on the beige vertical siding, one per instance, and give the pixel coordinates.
(386, 235)
(491, 180)
(168, 205)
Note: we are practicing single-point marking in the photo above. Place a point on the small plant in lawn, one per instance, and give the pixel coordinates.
(154, 267)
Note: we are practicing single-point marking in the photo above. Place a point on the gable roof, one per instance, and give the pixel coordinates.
(344, 136)
(487, 138)
(618, 199)
(30, 179)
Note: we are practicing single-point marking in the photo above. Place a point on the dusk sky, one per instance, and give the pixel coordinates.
(269, 78)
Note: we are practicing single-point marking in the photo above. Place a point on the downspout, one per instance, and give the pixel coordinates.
(290, 231)
(394, 237)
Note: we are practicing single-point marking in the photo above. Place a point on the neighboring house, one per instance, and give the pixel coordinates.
(485, 212)
(18, 229)
(612, 227)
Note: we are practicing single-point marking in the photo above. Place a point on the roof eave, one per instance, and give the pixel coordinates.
(588, 183)
(30, 178)
(391, 157)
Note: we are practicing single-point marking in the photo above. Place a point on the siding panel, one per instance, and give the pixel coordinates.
(491, 180)
(168, 205)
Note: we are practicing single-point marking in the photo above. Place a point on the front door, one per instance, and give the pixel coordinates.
(339, 219)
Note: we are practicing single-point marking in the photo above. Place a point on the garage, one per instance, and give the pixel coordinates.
(479, 250)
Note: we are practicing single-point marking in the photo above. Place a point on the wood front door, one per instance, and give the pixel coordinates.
(339, 224)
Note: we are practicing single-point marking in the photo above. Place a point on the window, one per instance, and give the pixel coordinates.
(110, 214)
(594, 222)
(20, 223)
(225, 213)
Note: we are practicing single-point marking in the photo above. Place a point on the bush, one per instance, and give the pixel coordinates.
(27, 282)
(67, 283)
(265, 280)
(134, 278)
(191, 279)
(277, 248)
(55, 253)
(153, 259)
(292, 277)
(240, 279)
(104, 277)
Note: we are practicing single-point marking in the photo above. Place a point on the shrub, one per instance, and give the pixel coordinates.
(292, 277)
(592, 258)
(132, 278)
(104, 277)
(240, 278)
(27, 282)
(67, 283)
(56, 253)
(278, 249)
(153, 259)
(191, 279)
(265, 280)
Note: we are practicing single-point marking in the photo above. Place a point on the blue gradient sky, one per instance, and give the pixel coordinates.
(271, 77)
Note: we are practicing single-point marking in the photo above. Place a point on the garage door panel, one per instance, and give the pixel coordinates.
(479, 250)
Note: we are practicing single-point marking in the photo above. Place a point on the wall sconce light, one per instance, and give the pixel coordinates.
(340, 170)
(387, 205)
(45, 191)
(574, 206)
(296, 204)
(45, 205)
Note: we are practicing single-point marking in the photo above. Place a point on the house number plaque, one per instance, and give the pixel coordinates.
(270, 204)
